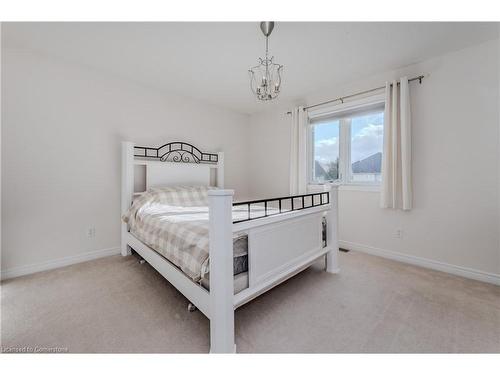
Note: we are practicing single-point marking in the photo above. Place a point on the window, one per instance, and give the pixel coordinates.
(347, 146)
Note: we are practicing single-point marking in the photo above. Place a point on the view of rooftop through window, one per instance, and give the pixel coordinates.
(363, 153)
(367, 137)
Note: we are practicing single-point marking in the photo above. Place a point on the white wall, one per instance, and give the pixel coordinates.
(455, 164)
(62, 128)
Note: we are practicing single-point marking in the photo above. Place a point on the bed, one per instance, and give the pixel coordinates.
(220, 254)
(173, 221)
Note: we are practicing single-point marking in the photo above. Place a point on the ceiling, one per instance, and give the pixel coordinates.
(210, 61)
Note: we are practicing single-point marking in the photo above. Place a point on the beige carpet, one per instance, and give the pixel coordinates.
(374, 305)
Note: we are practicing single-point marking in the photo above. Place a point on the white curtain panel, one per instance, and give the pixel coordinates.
(396, 161)
(298, 149)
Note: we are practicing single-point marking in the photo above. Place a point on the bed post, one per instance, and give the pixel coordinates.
(127, 189)
(221, 271)
(332, 236)
(220, 170)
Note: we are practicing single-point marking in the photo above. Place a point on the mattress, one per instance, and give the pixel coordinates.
(240, 282)
(240, 256)
(174, 222)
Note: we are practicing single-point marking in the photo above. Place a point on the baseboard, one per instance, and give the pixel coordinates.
(469, 273)
(9, 273)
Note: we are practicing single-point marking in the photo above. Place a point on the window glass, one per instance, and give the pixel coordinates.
(347, 147)
(326, 136)
(367, 135)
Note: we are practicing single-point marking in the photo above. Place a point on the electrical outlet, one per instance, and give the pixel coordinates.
(91, 232)
(398, 233)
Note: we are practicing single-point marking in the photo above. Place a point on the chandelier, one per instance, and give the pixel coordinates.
(265, 78)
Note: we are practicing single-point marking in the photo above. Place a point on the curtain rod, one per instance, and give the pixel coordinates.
(342, 98)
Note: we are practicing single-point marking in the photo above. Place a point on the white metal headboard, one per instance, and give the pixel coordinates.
(174, 163)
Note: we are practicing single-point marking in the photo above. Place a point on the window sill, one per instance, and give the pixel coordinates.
(351, 187)
(356, 187)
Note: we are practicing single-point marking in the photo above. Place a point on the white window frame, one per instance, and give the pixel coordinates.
(332, 111)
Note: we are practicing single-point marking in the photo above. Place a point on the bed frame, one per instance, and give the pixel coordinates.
(281, 241)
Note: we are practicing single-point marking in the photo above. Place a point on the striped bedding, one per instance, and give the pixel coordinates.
(174, 222)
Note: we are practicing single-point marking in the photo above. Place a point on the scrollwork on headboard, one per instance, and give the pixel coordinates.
(179, 152)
